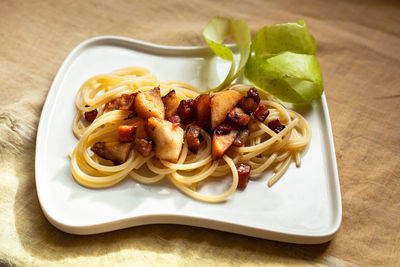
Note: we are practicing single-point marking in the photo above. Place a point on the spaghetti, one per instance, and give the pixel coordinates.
(264, 148)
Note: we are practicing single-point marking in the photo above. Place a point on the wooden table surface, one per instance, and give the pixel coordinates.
(358, 47)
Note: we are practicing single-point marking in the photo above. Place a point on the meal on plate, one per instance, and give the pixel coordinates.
(130, 124)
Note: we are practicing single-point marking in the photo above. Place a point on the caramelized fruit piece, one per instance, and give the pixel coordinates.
(149, 104)
(171, 103)
(117, 152)
(202, 105)
(223, 138)
(124, 102)
(221, 103)
(168, 138)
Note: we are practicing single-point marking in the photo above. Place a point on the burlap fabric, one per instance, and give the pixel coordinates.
(359, 52)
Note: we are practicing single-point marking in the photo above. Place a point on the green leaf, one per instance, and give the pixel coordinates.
(291, 77)
(293, 37)
(215, 33)
(283, 63)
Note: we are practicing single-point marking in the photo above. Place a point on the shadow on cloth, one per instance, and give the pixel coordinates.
(41, 240)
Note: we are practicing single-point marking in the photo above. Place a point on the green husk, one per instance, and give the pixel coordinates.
(283, 63)
(281, 59)
(216, 31)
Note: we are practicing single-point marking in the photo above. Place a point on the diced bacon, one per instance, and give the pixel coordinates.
(117, 152)
(126, 133)
(193, 133)
(124, 102)
(241, 138)
(90, 116)
(186, 111)
(223, 129)
(261, 113)
(244, 174)
(174, 119)
(250, 102)
(238, 116)
(144, 146)
(276, 126)
(253, 93)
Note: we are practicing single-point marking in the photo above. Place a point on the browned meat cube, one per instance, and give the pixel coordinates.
(244, 174)
(241, 138)
(174, 119)
(238, 116)
(186, 111)
(253, 93)
(126, 133)
(248, 105)
(261, 113)
(90, 116)
(276, 126)
(193, 133)
(250, 102)
(144, 146)
(223, 129)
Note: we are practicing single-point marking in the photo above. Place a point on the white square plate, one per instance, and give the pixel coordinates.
(303, 207)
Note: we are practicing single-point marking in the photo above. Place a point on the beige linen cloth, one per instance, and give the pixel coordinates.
(359, 52)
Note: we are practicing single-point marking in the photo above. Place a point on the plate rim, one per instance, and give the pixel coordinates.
(151, 48)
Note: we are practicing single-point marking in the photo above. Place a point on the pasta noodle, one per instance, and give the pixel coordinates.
(263, 150)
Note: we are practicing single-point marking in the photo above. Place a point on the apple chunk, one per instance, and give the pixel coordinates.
(171, 103)
(223, 137)
(149, 104)
(115, 151)
(203, 111)
(168, 138)
(221, 104)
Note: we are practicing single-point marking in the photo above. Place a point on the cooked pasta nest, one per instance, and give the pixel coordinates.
(263, 150)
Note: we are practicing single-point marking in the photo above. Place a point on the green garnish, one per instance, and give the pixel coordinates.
(216, 31)
(282, 61)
